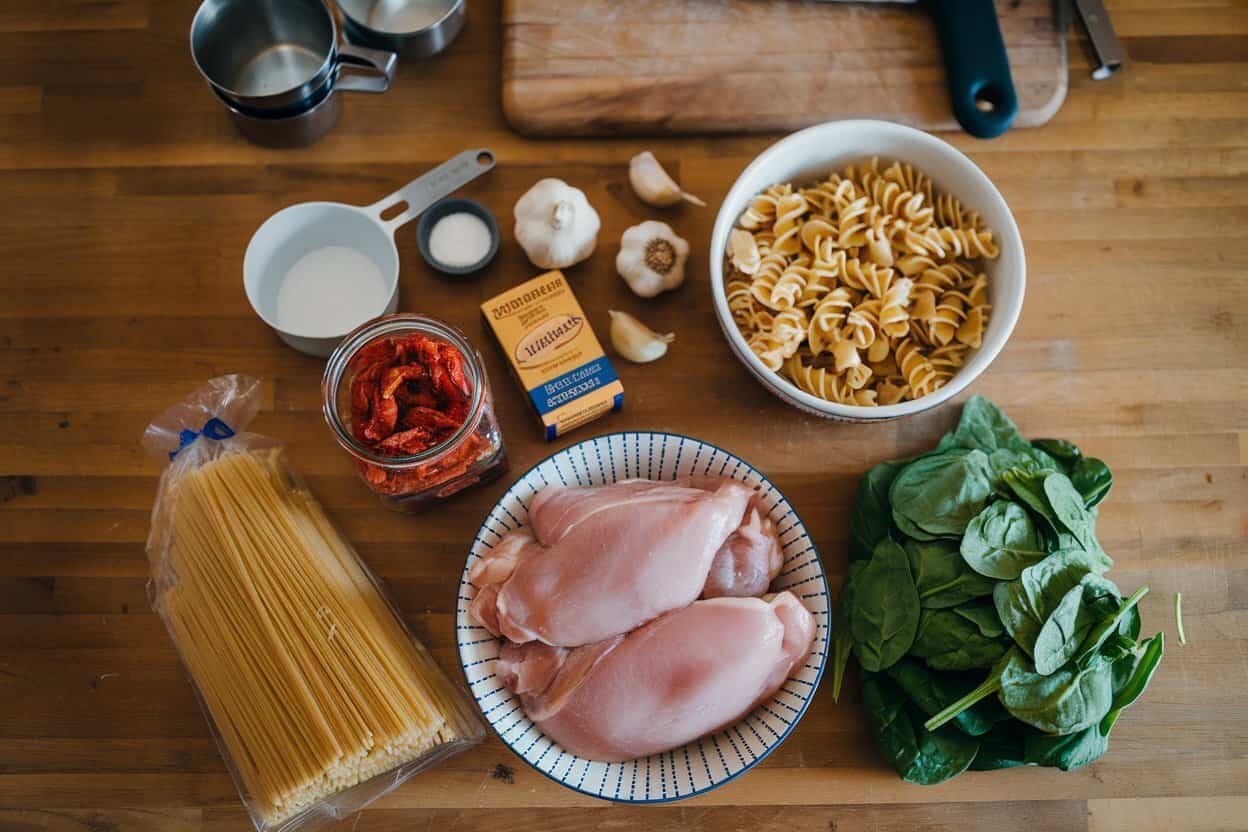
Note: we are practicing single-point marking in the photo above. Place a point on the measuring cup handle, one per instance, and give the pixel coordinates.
(365, 70)
(425, 190)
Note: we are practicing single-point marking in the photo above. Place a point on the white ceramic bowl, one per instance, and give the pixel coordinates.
(815, 152)
(705, 763)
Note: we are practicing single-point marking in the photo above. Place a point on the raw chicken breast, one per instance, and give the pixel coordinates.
(602, 560)
(749, 560)
(680, 677)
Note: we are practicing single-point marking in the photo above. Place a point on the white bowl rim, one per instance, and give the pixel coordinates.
(781, 386)
(806, 701)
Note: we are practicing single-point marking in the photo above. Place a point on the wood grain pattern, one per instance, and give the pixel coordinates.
(128, 201)
(710, 66)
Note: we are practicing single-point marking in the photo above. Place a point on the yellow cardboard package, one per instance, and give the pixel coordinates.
(554, 353)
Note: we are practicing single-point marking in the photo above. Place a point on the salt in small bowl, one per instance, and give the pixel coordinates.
(444, 209)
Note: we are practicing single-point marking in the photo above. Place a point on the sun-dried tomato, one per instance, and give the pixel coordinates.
(410, 394)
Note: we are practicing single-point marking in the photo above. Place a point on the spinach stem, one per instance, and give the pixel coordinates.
(841, 646)
(1178, 616)
(986, 688)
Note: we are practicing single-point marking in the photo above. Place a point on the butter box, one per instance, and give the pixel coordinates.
(554, 353)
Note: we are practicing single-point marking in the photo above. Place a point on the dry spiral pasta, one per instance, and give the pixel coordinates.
(864, 288)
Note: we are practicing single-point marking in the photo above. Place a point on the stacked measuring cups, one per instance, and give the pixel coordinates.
(278, 66)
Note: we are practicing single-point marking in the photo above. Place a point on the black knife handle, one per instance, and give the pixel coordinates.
(976, 65)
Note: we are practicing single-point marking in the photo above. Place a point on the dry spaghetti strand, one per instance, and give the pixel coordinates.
(310, 679)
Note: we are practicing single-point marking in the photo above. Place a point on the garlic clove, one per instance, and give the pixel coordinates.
(635, 341)
(653, 185)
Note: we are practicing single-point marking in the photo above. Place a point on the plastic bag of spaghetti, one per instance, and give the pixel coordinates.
(318, 696)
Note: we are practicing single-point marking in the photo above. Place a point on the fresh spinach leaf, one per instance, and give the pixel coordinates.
(1063, 451)
(940, 494)
(1059, 636)
(872, 518)
(948, 641)
(983, 426)
(908, 529)
(1032, 461)
(1112, 623)
(1092, 478)
(1131, 676)
(1079, 624)
(1028, 488)
(884, 615)
(1025, 603)
(941, 576)
(1067, 752)
(1071, 699)
(1002, 747)
(931, 692)
(1001, 541)
(1098, 560)
(983, 615)
(1067, 505)
(919, 756)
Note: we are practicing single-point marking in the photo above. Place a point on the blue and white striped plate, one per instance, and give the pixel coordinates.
(703, 764)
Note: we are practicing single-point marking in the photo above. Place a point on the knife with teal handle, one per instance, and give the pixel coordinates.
(977, 67)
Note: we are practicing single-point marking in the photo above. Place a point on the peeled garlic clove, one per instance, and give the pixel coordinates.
(635, 341)
(653, 185)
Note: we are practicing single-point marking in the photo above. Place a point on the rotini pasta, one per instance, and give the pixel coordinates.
(741, 305)
(863, 288)
(819, 382)
(828, 319)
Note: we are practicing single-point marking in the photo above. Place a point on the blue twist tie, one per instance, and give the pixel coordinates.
(214, 428)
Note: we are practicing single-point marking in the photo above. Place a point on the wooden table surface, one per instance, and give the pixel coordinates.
(126, 201)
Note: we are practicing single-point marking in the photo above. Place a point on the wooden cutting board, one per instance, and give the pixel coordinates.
(592, 67)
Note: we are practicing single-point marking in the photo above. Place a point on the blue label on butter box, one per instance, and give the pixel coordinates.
(572, 385)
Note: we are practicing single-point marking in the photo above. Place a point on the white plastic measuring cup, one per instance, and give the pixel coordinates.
(292, 232)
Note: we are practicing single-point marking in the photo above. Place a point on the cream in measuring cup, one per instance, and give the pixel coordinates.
(317, 270)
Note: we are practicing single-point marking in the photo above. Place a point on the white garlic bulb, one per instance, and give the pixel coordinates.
(635, 341)
(652, 258)
(555, 224)
(653, 185)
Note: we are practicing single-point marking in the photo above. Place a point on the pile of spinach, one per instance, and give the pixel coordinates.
(978, 609)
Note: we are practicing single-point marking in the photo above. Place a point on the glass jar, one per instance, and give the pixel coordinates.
(472, 453)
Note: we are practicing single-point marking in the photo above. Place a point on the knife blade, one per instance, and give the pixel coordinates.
(977, 68)
(1105, 46)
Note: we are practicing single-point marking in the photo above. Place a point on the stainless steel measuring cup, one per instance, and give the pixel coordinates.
(297, 129)
(274, 58)
(413, 28)
(297, 230)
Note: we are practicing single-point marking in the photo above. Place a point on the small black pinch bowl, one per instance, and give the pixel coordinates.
(446, 207)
